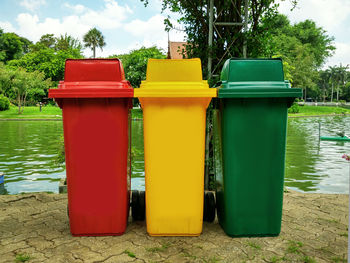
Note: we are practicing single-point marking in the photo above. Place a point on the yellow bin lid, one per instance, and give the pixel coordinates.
(174, 78)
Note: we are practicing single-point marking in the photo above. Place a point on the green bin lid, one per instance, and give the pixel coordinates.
(255, 78)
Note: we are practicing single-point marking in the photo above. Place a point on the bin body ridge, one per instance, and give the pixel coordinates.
(96, 124)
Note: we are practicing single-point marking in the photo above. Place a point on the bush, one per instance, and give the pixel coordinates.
(294, 108)
(4, 103)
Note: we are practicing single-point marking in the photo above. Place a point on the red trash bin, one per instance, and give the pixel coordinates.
(95, 100)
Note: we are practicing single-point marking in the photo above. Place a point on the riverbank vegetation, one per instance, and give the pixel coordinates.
(32, 112)
(54, 112)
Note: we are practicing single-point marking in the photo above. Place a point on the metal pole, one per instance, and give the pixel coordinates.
(210, 39)
(245, 28)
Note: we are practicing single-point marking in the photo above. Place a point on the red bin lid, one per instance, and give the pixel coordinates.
(93, 78)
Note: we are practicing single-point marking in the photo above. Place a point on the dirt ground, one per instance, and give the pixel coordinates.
(35, 228)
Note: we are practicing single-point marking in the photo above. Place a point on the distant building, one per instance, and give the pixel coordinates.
(175, 49)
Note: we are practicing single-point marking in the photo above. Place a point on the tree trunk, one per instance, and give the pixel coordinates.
(19, 103)
(24, 101)
(337, 92)
(305, 95)
(94, 51)
(324, 93)
(332, 93)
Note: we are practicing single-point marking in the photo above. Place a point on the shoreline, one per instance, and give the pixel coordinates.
(139, 119)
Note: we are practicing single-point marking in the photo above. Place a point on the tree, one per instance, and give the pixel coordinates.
(25, 44)
(67, 42)
(304, 46)
(195, 20)
(324, 82)
(93, 39)
(48, 40)
(338, 77)
(46, 60)
(20, 86)
(135, 63)
(10, 46)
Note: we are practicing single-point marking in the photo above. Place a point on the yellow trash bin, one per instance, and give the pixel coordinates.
(174, 99)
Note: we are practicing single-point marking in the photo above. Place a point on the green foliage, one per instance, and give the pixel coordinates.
(129, 253)
(4, 103)
(294, 247)
(304, 48)
(48, 40)
(22, 86)
(93, 39)
(135, 63)
(254, 245)
(22, 257)
(32, 112)
(321, 110)
(46, 60)
(10, 46)
(163, 248)
(67, 42)
(195, 20)
(63, 42)
(294, 108)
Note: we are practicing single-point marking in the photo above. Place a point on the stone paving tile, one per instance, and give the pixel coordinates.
(314, 229)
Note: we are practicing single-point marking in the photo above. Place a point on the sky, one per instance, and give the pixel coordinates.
(128, 25)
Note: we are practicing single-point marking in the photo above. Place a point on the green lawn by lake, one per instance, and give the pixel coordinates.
(53, 112)
(47, 112)
(32, 112)
(319, 110)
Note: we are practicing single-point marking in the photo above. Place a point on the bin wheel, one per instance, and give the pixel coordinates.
(134, 204)
(142, 205)
(209, 207)
(205, 209)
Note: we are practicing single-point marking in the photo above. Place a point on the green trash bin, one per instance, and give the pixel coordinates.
(254, 101)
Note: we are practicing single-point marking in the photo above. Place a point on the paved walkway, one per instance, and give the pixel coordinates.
(35, 227)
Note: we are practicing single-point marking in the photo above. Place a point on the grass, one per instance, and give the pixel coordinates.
(48, 112)
(344, 234)
(158, 249)
(307, 110)
(32, 112)
(338, 260)
(254, 245)
(22, 257)
(308, 259)
(294, 247)
(129, 253)
(53, 112)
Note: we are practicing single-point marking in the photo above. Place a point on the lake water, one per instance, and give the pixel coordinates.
(28, 150)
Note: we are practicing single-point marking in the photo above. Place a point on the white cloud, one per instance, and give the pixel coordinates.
(113, 19)
(151, 32)
(110, 16)
(148, 29)
(342, 55)
(7, 26)
(328, 14)
(32, 5)
(75, 8)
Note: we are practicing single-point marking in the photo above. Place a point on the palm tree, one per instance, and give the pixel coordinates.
(324, 79)
(333, 77)
(93, 39)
